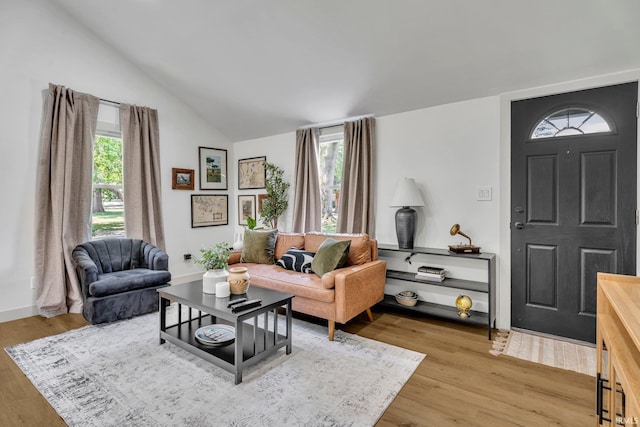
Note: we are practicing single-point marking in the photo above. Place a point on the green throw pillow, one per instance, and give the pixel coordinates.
(259, 246)
(331, 254)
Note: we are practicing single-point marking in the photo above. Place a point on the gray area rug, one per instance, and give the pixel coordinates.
(118, 375)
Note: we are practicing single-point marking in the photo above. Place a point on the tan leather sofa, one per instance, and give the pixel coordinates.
(337, 296)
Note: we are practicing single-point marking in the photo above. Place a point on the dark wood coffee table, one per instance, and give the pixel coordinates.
(252, 343)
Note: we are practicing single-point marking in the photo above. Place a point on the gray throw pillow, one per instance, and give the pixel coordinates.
(331, 254)
(259, 246)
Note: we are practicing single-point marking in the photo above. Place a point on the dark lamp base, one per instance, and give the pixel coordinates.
(405, 227)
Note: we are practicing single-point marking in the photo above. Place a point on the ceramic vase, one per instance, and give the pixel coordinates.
(239, 280)
(238, 243)
(211, 277)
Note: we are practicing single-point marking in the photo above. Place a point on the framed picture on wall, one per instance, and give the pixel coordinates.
(209, 209)
(261, 198)
(246, 208)
(213, 168)
(182, 179)
(252, 173)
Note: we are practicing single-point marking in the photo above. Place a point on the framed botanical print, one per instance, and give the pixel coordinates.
(261, 198)
(213, 168)
(182, 179)
(252, 173)
(246, 208)
(209, 209)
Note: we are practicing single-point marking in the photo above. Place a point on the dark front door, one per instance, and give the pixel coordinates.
(573, 205)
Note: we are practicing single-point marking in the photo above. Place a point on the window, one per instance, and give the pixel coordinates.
(107, 219)
(571, 121)
(331, 145)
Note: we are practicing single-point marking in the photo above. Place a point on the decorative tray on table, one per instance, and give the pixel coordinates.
(216, 335)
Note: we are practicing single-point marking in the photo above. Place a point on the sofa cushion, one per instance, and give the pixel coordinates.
(331, 254)
(296, 260)
(359, 251)
(286, 241)
(127, 280)
(299, 284)
(259, 246)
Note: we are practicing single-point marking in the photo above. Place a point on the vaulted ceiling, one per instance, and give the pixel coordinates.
(255, 68)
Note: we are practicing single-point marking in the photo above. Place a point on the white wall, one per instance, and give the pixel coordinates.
(279, 150)
(40, 44)
(449, 150)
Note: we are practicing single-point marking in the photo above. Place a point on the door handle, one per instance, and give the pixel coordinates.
(519, 209)
(519, 225)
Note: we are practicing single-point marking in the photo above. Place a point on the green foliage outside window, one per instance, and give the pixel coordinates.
(107, 164)
(107, 219)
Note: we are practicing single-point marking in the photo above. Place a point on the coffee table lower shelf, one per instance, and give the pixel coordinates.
(253, 350)
(257, 334)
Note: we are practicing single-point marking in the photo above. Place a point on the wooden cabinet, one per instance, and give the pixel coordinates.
(482, 285)
(618, 350)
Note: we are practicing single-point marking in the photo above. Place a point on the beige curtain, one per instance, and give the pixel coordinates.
(306, 205)
(63, 197)
(141, 174)
(356, 196)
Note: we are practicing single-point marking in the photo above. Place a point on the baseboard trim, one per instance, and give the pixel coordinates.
(18, 313)
(22, 312)
(186, 278)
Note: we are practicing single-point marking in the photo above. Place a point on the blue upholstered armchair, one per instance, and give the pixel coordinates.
(119, 277)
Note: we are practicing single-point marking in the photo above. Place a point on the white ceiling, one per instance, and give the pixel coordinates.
(255, 68)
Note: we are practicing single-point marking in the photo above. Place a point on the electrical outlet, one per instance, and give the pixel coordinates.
(187, 257)
(484, 193)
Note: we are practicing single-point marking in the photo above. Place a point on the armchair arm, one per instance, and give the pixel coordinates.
(155, 258)
(358, 288)
(85, 267)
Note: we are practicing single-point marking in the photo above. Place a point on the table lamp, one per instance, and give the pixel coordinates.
(406, 195)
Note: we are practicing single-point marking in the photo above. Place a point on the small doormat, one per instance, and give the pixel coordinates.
(547, 351)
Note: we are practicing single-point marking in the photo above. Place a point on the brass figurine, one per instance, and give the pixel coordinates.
(464, 303)
(462, 249)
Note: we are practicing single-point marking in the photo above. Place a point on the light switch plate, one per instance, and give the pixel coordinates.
(484, 193)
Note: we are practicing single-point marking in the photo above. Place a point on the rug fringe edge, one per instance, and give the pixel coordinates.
(500, 342)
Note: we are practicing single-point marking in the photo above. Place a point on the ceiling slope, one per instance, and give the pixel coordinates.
(254, 68)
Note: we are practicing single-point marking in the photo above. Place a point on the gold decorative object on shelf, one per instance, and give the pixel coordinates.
(464, 303)
(462, 249)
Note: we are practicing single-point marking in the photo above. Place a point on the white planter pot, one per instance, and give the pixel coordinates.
(210, 278)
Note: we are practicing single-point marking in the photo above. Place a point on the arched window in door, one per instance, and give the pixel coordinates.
(571, 121)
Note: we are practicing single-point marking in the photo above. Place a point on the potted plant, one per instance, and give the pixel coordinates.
(252, 224)
(276, 201)
(215, 261)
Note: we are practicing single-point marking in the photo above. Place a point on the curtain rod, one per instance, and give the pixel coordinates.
(335, 122)
(108, 101)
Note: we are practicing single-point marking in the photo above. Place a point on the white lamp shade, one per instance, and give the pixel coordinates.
(407, 194)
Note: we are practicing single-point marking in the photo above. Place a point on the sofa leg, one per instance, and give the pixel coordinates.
(332, 329)
(369, 315)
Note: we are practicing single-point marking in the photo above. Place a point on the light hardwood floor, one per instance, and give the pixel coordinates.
(458, 383)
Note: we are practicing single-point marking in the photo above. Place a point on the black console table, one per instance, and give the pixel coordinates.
(487, 287)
